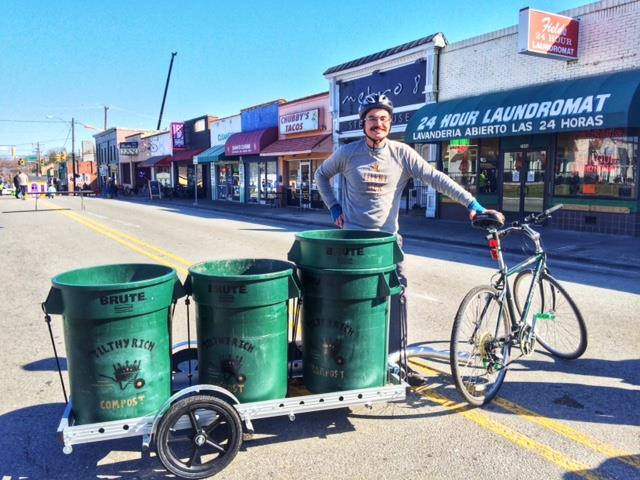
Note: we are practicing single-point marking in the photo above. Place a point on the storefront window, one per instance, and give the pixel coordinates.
(186, 175)
(601, 163)
(163, 175)
(488, 167)
(459, 161)
(229, 182)
(262, 181)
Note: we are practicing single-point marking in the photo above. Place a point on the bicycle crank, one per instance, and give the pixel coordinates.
(526, 340)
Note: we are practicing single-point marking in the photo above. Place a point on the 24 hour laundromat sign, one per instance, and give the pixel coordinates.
(434, 123)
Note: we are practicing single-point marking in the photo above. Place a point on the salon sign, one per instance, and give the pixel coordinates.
(547, 35)
(299, 122)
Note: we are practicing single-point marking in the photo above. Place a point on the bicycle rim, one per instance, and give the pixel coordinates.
(479, 352)
(560, 328)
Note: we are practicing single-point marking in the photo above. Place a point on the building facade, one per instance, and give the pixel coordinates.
(108, 154)
(304, 142)
(524, 132)
(407, 74)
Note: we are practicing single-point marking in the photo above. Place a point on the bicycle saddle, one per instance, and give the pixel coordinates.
(488, 220)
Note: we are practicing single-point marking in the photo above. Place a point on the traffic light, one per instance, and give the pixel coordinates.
(64, 156)
(42, 161)
(58, 157)
(21, 162)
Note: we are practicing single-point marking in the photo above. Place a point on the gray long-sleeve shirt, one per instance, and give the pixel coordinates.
(374, 181)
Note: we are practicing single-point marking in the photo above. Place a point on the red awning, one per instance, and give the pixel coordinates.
(299, 146)
(250, 143)
(180, 156)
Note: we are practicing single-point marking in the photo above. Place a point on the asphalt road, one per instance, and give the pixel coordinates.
(553, 419)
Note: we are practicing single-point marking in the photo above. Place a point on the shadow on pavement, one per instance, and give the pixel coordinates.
(29, 448)
(624, 467)
(46, 365)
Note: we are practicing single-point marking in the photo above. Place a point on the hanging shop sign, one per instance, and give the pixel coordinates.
(177, 135)
(547, 35)
(299, 122)
(128, 148)
(404, 86)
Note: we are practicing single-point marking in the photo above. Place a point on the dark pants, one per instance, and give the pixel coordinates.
(398, 308)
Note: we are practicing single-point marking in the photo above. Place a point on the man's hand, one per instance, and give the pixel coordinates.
(337, 216)
(473, 213)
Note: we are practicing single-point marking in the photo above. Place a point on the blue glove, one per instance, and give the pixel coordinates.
(475, 206)
(336, 211)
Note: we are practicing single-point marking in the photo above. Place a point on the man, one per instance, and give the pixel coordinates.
(23, 181)
(376, 170)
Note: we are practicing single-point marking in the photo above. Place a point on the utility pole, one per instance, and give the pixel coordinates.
(73, 151)
(166, 87)
(105, 116)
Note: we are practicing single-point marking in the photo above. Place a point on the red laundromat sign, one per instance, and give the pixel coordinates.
(547, 34)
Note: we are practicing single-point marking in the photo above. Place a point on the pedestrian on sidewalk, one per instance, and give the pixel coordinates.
(16, 183)
(376, 170)
(23, 181)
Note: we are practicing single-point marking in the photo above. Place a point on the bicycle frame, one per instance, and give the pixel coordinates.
(536, 263)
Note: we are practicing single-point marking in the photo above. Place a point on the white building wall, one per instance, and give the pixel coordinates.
(609, 40)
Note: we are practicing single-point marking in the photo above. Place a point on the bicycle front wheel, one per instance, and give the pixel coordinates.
(560, 328)
(479, 350)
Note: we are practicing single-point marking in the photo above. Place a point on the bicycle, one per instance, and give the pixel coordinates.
(493, 318)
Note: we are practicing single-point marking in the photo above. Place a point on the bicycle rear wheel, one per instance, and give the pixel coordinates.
(479, 350)
(560, 328)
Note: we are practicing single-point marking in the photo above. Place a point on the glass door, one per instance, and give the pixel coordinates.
(305, 184)
(523, 181)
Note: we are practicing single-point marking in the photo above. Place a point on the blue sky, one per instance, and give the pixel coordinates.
(68, 58)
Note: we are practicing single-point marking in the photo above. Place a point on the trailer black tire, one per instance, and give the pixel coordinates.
(198, 436)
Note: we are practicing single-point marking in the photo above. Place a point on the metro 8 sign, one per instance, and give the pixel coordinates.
(547, 35)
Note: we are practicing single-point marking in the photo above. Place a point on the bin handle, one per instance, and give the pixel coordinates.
(295, 286)
(294, 253)
(391, 288)
(188, 285)
(398, 254)
(395, 287)
(53, 303)
(179, 290)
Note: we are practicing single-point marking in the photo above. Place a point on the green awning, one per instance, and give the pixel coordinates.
(212, 155)
(599, 102)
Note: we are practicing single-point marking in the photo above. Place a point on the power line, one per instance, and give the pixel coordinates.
(31, 121)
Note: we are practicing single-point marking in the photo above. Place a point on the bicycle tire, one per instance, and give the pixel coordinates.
(558, 314)
(479, 374)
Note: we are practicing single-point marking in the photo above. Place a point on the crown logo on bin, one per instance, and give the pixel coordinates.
(124, 372)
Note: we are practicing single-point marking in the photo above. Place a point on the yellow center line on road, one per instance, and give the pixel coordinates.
(483, 420)
(107, 232)
(554, 426)
(127, 240)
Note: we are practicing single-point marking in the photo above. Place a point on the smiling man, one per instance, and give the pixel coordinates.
(376, 170)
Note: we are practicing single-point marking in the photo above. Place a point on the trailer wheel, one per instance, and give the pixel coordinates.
(198, 436)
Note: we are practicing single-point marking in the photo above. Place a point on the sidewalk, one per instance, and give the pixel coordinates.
(614, 251)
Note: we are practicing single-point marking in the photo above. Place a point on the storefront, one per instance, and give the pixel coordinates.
(189, 139)
(154, 162)
(304, 142)
(257, 177)
(573, 142)
(225, 171)
(407, 74)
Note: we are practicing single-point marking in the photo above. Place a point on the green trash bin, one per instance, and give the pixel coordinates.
(345, 327)
(116, 321)
(345, 249)
(242, 324)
